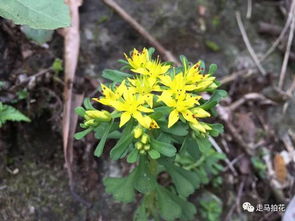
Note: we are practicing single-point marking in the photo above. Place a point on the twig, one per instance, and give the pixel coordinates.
(238, 201)
(271, 29)
(281, 36)
(243, 73)
(248, 45)
(38, 74)
(249, 96)
(249, 9)
(162, 50)
(219, 150)
(287, 53)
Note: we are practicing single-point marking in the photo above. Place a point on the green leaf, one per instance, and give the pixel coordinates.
(80, 111)
(121, 188)
(113, 134)
(212, 45)
(123, 143)
(57, 65)
(185, 181)
(151, 51)
(188, 209)
(81, 134)
(169, 209)
(216, 129)
(215, 98)
(133, 156)
(115, 75)
(99, 149)
(87, 104)
(191, 146)
(203, 144)
(160, 113)
(178, 129)
(184, 61)
(39, 36)
(154, 154)
(212, 69)
(140, 213)
(41, 14)
(144, 181)
(166, 138)
(164, 148)
(9, 113)
(202, 67)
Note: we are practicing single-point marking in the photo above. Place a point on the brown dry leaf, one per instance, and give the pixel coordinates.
(71, 53)
(280, 168)
(247, 126)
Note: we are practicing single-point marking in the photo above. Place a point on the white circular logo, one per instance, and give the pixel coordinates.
(248, 207)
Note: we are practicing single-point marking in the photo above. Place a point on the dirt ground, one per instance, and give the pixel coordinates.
(261, 125)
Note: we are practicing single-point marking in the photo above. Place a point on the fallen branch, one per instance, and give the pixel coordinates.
(280, 38)
(288, 49)
(248, 44)
(162, 50)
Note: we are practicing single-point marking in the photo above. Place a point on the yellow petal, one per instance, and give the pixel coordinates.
(173, 118)
(149, 99)
(144, 121)
(145, 109)
(125, 117)
(200, 113)
(154, 125)
(120, 90)
(198, 126)
(167, 99)
(188, 115)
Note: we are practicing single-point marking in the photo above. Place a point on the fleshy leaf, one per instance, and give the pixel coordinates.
(82, 134)
(164, 148)
(99, 149)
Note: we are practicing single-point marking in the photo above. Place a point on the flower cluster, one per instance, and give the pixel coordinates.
(156, 84)
(157, 124)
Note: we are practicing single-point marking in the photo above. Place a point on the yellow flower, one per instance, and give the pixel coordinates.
(138, 59)
(109, 96)
(181, 105)
(177, 85)
(153, 69)
(144, 86)
(200, 126)
(132, 106)
(193, 76)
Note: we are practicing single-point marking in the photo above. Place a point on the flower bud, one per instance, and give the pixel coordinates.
(147, 147)
(144, 139)
(200, 113)
(137, 132)
(138, 145)
(99, 115)
(142, 152)
(198, 127)
(90, 122)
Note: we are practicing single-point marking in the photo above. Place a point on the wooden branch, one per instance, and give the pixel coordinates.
(288, 49)
(248, 44)
(141, 30)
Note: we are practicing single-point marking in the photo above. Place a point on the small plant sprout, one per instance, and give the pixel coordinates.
(159, 117)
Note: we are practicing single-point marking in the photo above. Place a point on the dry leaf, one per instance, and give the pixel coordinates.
(280, 168)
